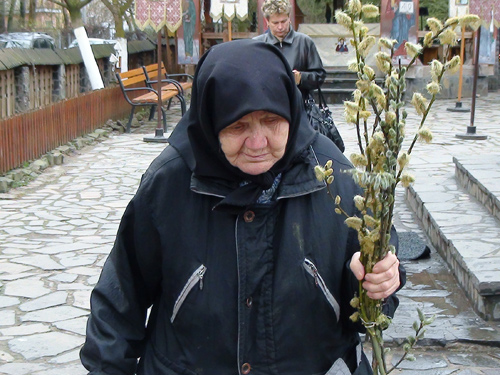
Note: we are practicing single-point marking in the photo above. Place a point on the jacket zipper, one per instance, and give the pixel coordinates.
(196, 277)
(318, 280)
(238, 345)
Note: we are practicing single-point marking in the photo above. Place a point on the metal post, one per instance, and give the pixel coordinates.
(471, 129)
(158, 137)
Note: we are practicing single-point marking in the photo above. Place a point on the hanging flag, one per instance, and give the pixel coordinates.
(158, 13)
(228, 8)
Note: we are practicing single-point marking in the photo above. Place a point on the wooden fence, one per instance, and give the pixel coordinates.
(7, 93)
(30, 135)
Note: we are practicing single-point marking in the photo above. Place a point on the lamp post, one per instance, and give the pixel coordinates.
(471, 129)
(158, 13)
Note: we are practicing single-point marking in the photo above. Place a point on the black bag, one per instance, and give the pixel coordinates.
(321, 119)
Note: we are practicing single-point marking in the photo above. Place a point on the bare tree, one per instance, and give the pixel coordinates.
(119, 10)
(74, 8)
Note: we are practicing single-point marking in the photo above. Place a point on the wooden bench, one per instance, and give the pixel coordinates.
(128, 82)
(183, 80)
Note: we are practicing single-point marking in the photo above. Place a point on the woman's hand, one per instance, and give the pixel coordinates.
(384, 279)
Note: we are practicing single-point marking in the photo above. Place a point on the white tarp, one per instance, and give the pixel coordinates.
(228, 8)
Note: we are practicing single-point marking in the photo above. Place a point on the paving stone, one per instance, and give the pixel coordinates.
(78, 260)
(21, 368)
(48, 300)
(477, 360)
(469, 372)
(7, 317)
(44, 344)
(53, 314)
(5, 357)
(30, 288)
(82, 299)
(67, 357)
(25, 329)
(62, 248)
(70, 369)
(8, 301)
(73, 286)
(44, 262)
(77, 325)
(64, 278)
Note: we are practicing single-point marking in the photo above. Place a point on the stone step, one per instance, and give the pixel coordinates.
(339, 83)
(479, 175)
(465, 234)
(334, 96)
(340, 73)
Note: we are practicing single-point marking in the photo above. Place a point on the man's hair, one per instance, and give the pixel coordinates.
(271, 7)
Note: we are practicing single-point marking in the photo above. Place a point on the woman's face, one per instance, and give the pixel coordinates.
(255, 142)
(279, 24)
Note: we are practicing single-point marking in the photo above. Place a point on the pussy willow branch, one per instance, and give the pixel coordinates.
(424, 117)
(417, 334)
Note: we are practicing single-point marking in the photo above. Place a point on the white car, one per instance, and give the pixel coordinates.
(26, 40)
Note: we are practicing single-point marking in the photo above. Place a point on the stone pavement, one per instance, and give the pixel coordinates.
(56, 232)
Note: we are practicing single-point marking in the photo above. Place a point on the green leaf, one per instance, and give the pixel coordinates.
(421, 315)
(421, 334)
(430, 320)
(411, 358)
(416, 326)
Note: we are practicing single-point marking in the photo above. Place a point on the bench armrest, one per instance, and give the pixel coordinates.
(180, 75)
(152, 83)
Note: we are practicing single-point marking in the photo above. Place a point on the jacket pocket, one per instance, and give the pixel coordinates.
(318, 280)
(155, 362)
(196, 278)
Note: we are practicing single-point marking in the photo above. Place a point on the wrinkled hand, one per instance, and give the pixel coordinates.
(298, 76)
(384, 279)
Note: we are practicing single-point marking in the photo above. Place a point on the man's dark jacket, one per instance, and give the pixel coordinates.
(301, 53)
(266, 290)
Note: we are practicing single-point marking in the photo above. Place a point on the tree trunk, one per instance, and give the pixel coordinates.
(22, 13)
(10, 21)
(32, 15)
(75, 14)
(120, 31)
(3, 21)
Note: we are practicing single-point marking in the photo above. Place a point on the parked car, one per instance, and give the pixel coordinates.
(26, 40)
(74, 43)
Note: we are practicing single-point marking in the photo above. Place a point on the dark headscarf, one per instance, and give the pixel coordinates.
(232, 80)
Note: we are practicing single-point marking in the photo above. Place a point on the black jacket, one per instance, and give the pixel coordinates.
(269, 288)
(301, 53)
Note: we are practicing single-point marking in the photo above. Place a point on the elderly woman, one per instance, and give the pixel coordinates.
(233, 244)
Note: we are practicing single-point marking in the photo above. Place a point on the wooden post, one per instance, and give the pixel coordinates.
(458, 105)
(462, 52)
(230, 30)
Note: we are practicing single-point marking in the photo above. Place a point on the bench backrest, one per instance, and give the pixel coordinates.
(132, 77)
(152, 70)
